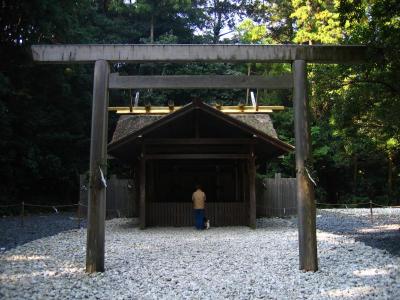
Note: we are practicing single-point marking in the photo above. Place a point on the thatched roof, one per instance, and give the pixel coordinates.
(261, 122)
(212, 122)
(130, 124)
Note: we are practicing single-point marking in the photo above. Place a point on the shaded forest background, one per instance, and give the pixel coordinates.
(45, 110)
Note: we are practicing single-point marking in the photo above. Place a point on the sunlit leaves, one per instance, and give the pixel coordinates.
(250, 32)
(316, 21)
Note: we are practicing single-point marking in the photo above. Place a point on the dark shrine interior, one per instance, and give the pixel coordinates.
(175, 180)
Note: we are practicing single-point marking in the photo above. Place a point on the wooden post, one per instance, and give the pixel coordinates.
(370, 209)
(78, 215)
(98, 160)
(305, 191)
(196, 124)
(245, 173)
(136, 182)
(218, 183)
(236, 182)
(22, 213)
(142, 182)
(252, 189)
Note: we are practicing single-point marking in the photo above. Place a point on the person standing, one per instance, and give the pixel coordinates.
(199, 201)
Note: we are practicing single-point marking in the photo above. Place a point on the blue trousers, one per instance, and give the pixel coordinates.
(199, 218)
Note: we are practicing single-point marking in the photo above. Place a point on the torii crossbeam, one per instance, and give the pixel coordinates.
(297, 55)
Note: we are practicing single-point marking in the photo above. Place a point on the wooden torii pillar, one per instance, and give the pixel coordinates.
(298, 55)
(98, 170)
(306, 208)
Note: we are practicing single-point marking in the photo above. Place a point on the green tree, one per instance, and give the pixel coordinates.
(220, 14)
(276, 17)
(162, 16)
(354, 109)
(316, 21)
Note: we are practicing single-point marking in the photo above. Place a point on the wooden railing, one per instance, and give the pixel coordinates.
(181, 214)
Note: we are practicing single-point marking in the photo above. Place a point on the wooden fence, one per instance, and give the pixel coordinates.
(120, 197)
(276, 197)
(181, 214)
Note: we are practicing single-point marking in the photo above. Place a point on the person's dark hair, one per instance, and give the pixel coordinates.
(198, 187)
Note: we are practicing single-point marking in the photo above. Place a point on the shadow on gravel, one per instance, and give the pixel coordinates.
(13, 234)
(382, 232)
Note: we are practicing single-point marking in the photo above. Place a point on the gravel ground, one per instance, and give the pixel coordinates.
(382, 231)
(176, 263)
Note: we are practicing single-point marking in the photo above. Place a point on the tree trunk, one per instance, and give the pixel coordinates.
(248, 90)
(355, 173)
(218, 22)
(390, 177)
(103, 5)
(152, 29)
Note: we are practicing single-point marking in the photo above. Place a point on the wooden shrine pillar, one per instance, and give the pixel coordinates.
(136, 179)
(142, 183)
(305, 191)
(252, 189)
(98, 164)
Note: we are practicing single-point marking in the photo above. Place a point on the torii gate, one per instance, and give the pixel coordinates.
(298, 55)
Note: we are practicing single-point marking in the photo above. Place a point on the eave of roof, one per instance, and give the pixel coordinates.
(208, 109)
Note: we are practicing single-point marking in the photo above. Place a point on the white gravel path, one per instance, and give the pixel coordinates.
(177, 263)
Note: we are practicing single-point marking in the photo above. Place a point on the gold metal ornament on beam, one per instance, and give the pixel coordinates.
(161, 110)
